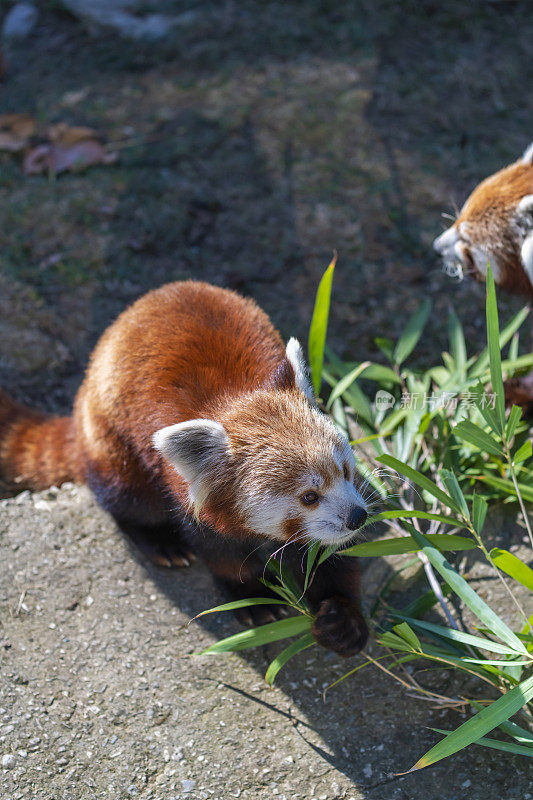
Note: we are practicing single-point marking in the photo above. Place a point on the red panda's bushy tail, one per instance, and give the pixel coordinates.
(36, 450)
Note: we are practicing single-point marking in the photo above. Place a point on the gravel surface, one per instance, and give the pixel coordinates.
(102, 694)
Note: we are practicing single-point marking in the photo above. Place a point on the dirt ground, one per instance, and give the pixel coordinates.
(252, 143)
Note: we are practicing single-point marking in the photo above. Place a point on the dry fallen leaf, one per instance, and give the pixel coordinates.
(55, 158)
(15, 131)
(68, 149)
(65, 148)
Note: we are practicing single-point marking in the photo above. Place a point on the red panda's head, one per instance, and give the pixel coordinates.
(271, 464)
(495, 225)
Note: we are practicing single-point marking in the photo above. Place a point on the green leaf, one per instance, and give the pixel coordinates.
(484, 721)
(450, 482)
(507, 487)
(459, 636)
(386, 346)
(513, 566)
(479, 512)
(420, 480)
(495, 359)
(346, 382)
(319, 325)
(381, 374)
(406, 544)
(296, 647)
(523, 453)
(481, 362)
(468, 595)
(312, 554)
(457, 344)
(514, 730)
(475, 435)
(255, 637)
(514, 418)
(483, 405)
(409, 514)
(235, 604)
(408, 635)
(496, 744)
(412, 333)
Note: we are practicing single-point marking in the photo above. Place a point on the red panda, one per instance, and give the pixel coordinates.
(495, 225)
(197, 430)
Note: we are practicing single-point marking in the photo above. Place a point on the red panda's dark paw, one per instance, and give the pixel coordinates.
(340, 626)
(253, 616)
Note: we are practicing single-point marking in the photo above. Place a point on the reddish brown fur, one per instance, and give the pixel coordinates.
(182, 352)
(489, 214)
(164, 360)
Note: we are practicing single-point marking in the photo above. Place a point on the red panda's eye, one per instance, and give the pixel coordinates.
(309, 498)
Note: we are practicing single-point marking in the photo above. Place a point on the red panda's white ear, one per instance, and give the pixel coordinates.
(527, 157)
(295, 356)
(195, 449)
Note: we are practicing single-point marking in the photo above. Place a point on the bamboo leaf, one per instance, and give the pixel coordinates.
(450, 482)
(255, 637)
(513, 566)
(312, 554)
(479, 512)
(483, 722)
(235, 604)
(507, 487)
(523, 453)
(386, 346)
(409, 514)
(346, 382)
(495, 359)
(409, 635)
(514, 418)
(319, 325)
(296, 647)
(406, 544)
(420, 480)
(457, 344)
(412, 333)
(481, 362)
(468, 595)
(459, 636)
(496, 744)
(475, 435)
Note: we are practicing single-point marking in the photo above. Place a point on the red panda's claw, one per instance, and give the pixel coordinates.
(254, 616)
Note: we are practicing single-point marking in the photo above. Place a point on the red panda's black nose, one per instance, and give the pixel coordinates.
(356, 518)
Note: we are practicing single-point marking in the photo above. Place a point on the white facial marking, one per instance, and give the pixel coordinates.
(526, 254)
(450, 247)
(527, 157)
(295, 355)
(446, 241)
(266, 513)
(327, 521)
(195, 449)
(525, 206)
(482, 259)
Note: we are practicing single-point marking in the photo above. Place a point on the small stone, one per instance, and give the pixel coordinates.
(8, 761)
(466, 784)
(20, 21)
(188, 786)
(367, 771)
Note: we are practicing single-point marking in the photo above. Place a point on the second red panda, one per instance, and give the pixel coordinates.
(191, 410)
